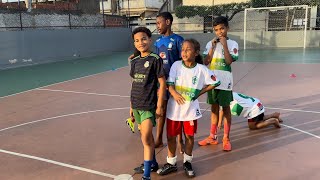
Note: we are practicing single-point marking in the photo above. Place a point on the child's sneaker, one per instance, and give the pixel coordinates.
(140, 169)
(130, 124)
(188, 169)
(208, 141)
(167, 168)
(226, 144)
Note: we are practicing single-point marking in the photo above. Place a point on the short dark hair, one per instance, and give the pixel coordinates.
(166, 15)
(142, 29)
(220, 20)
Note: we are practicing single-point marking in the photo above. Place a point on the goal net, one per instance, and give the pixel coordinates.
(275, 27)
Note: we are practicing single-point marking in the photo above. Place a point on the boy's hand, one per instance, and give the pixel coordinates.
(214, 42)
(223, 41)
(179, 98)
(159, 112)
(131, 113)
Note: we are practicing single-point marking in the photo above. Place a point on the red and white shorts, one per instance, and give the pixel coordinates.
(174, 128)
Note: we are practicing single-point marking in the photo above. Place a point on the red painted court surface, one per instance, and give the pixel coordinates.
(76, 130)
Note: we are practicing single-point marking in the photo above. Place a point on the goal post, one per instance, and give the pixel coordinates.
(273, 27)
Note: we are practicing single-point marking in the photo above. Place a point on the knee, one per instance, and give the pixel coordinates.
(189, 138)
(147, 140)
(171, 139)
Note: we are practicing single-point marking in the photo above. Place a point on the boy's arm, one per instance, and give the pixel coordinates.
(176, 96)
(162, 90)
(227, 55)
(209, 55)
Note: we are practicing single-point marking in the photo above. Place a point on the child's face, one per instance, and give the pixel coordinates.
(188, 52)
(142, 42)
(162, 25)
(221, 30)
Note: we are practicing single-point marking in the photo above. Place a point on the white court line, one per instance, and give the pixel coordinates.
(58, 163)
(305, 132)
(296, 110)
(284, 109)
(65, 115)
(60, 82)
(79, 92)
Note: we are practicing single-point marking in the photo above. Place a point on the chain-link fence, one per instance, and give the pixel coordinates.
(55, 15)
(199, 15)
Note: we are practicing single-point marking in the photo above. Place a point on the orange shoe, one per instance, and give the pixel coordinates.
(226, 144)
(208, 141)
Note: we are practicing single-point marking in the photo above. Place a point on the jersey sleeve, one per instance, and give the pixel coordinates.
(159, 68)
(132, 68)
(234, 51)
(208, 47)
(172, 74)
(210, 78)
(156, 48)
(179, 46)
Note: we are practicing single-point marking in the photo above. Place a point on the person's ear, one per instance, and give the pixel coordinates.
(168, 22)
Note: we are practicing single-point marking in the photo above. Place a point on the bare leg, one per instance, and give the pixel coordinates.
(180, 144)
(172, 145)
(189, 145)
(214, 114)
(227, 121)
(160, 126)
(268, 122)
(147, 139)
(273, 115)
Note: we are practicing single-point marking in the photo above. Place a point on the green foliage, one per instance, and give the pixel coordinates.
(273, 3)
(203, 11)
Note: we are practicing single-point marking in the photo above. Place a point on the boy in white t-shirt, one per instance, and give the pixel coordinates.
(252, 109)
(187, 81)
(220, 53)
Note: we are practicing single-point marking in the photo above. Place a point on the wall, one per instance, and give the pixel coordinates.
(21, 48)
(280, 39)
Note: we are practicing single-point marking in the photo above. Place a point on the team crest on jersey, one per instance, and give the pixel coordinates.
(260, 106)
(146, 64)
(194, 80)
(235, 50)
(213, 77)
(163, 55)
(170, 46)
(229, 86)
(198, 113)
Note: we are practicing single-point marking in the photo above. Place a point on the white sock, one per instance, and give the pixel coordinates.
(172, 160)
(186, 157)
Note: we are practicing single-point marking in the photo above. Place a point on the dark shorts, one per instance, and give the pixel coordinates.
(257, 119)
(221, 97)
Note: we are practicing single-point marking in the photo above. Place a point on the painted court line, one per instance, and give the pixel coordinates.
(305, 132)
(296, 110)
(79, 92)
(58, 163)
(65, 115)
(60, 82)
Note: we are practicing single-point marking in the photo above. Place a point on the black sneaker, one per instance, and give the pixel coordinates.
(188, 169)
(140, 169)
(145, 178)
(167, 168)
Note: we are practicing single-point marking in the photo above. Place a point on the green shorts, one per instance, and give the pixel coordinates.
(141, 115)
(221, 97)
